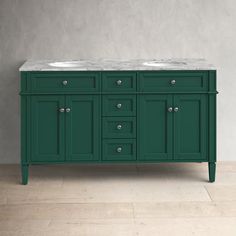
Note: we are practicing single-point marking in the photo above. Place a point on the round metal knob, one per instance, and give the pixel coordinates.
(119, 82)
(173, 81)
(176, 109)
(65, 82)
(62, 109)
(119, 126)
(119, 149)
(170, 109)
(119, 105)
(67, 109)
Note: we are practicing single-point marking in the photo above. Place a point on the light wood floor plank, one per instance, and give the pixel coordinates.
(163, 199)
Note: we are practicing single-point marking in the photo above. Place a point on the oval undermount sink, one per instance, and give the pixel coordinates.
(67, 64)
(163, 63)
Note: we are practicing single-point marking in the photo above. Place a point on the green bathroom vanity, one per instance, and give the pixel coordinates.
(110, 111)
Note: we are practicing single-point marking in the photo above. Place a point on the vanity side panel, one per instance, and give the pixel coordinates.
(23, 121)
(212, 116)
(24, 124)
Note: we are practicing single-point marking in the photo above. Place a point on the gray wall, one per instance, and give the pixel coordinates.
(56, 29)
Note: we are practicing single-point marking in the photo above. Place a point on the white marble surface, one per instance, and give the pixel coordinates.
(118, 65)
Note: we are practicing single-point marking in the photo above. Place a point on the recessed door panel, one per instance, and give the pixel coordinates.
(155, 127)
(82, 127)
(47, 126)
(190, 129)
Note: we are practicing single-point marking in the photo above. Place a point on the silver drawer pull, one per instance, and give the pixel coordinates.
(173, 81)
(119, 149)
(67, 109)
(119, 126)
(176, 109)
(119, 105)
(65, 82)
(119, 82)
(62, 110)
(170, 109)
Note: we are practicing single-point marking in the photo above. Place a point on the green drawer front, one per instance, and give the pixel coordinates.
(65, 82)
(119, 105)
(119, 81)
(119, 127)
(164, 81)
(119, 150)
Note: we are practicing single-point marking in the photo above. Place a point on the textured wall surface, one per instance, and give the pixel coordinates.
(72, 29)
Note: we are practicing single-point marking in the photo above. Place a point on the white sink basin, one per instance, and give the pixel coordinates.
(66, 64)
(163, 64)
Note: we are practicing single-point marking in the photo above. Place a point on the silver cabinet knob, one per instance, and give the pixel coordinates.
(119, 105)
(119, 126)
(119, 149)
(62, 109)
(119, 82)
(173, 81)
(170, 109)
(65, 82)
(67, 109)
(176, 109)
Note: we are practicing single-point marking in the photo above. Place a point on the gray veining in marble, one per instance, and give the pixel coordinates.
(116, 65)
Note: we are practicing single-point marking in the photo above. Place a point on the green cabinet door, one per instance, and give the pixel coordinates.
(155, 127)
(82, 127)
(190, 127)
(47, 128)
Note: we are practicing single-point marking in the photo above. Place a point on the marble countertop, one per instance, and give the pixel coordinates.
(116, 65)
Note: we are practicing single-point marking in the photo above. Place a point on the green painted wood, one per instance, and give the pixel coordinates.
(161, 81)
(212, 117)
(111, 105)
(88, 134)
(190, 127)
(23, 128)
(212, 81)
(119, 150)
(212, 171)
(76, 81)
(212, 126)
(137, 161)
(155, 127)
(47, 128)
(25, 173)
(111, 93)
(82, 127)
(119, 127)
(119, 81)
(23, 81)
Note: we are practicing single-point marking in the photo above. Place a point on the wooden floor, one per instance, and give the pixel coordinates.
(145, 200)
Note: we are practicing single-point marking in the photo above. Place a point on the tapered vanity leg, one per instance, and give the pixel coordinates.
(212, 171)
(24, 173)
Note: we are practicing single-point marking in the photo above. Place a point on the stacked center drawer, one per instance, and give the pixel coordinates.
(119, 116)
